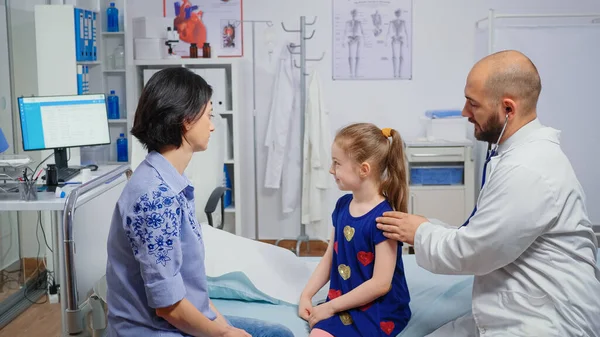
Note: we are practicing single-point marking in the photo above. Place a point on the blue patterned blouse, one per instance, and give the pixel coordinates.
(155, 251)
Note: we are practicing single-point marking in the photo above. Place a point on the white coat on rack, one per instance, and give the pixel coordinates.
(283, 134)
(317, 158)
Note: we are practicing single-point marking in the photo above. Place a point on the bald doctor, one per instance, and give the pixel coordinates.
(529, 241)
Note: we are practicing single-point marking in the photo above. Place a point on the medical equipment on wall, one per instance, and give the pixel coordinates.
(172, 41)
(300, 49)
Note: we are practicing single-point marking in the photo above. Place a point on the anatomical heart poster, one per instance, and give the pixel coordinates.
(217, 22)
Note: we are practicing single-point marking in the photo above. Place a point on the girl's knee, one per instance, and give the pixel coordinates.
(320, 333)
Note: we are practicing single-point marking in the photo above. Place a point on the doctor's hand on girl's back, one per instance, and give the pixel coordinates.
(370, 166)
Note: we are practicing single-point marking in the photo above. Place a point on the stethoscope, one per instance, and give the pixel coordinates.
(494, 147)
(492, 151)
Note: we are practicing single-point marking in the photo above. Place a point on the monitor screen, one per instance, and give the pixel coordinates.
(63, 121)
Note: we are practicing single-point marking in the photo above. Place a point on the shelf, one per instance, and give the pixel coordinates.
(112, 33)
(117, 163)
(89, 63)
(117, 121)
(186, 61)
(230, 209)
(114, 71)
(226, 113)
(229, 161)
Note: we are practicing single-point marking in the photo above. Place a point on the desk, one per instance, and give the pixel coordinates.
(95, 217)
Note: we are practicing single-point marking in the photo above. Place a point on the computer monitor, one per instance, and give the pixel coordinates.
(61, 122)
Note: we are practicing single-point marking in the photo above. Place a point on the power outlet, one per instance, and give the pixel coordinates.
(53, 298)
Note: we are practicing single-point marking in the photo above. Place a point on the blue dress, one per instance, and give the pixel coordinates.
(353, 264)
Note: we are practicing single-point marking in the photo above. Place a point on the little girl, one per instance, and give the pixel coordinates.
(368, 295)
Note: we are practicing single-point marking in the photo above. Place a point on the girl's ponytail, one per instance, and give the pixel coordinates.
(395, 182)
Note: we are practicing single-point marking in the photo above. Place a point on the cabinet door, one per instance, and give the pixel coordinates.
(446, 204)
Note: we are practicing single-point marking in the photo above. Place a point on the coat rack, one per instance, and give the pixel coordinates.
(303, 237)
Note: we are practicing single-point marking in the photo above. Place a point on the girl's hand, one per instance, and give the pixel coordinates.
(319, 313)
(305, 308)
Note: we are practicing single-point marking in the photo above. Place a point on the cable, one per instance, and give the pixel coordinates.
(43, 161)
(37, 269)
(43, 231)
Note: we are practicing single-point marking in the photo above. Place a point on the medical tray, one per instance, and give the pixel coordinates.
(436, 175)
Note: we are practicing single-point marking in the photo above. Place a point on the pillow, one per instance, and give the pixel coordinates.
(243, 269)
(236, 286)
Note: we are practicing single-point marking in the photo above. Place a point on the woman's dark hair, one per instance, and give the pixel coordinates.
(171, 97)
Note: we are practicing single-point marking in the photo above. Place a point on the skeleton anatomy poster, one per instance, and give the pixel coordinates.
(217, 22)
(372, 39)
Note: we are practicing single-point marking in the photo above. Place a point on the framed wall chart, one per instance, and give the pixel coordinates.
(217, 22)
(372, 39)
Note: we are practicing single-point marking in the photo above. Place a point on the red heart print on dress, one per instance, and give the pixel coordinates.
(387, 327)
(366, 306)
(334, 293)
(365, 258)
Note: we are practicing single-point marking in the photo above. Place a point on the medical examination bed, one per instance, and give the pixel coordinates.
(258, 280)
(435, 299)
(263, 281)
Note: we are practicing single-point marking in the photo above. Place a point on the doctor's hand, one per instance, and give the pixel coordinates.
(319, 313)
(400, 226)
(305, 308)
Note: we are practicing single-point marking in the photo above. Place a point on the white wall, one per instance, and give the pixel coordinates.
(9, 239)
(444, 49)
(568, 100)
(443, 41)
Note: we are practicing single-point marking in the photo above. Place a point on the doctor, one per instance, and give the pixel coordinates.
(529, 242)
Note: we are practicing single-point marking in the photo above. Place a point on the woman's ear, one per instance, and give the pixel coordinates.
(187, 126)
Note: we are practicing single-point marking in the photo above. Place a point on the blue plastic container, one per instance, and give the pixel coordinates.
(112, 18)
(443, 113)
(227, 183)
(122, 148)
(437, 175)
(113, 106)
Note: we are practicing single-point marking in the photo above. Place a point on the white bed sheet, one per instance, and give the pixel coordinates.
(435, 300)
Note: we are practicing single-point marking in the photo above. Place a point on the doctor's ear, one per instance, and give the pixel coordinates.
(509, 106)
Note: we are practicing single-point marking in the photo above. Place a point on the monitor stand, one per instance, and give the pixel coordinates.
(60, 158)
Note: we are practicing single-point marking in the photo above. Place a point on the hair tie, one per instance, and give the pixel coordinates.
(387, 132)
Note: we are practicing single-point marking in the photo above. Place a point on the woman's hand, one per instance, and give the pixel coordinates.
(305, 308)
(319, 313)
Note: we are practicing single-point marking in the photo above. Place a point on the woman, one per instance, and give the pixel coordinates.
(155, 273)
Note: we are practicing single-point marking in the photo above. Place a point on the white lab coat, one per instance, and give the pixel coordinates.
(530, 246)
(283, 136)
(317, 158)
